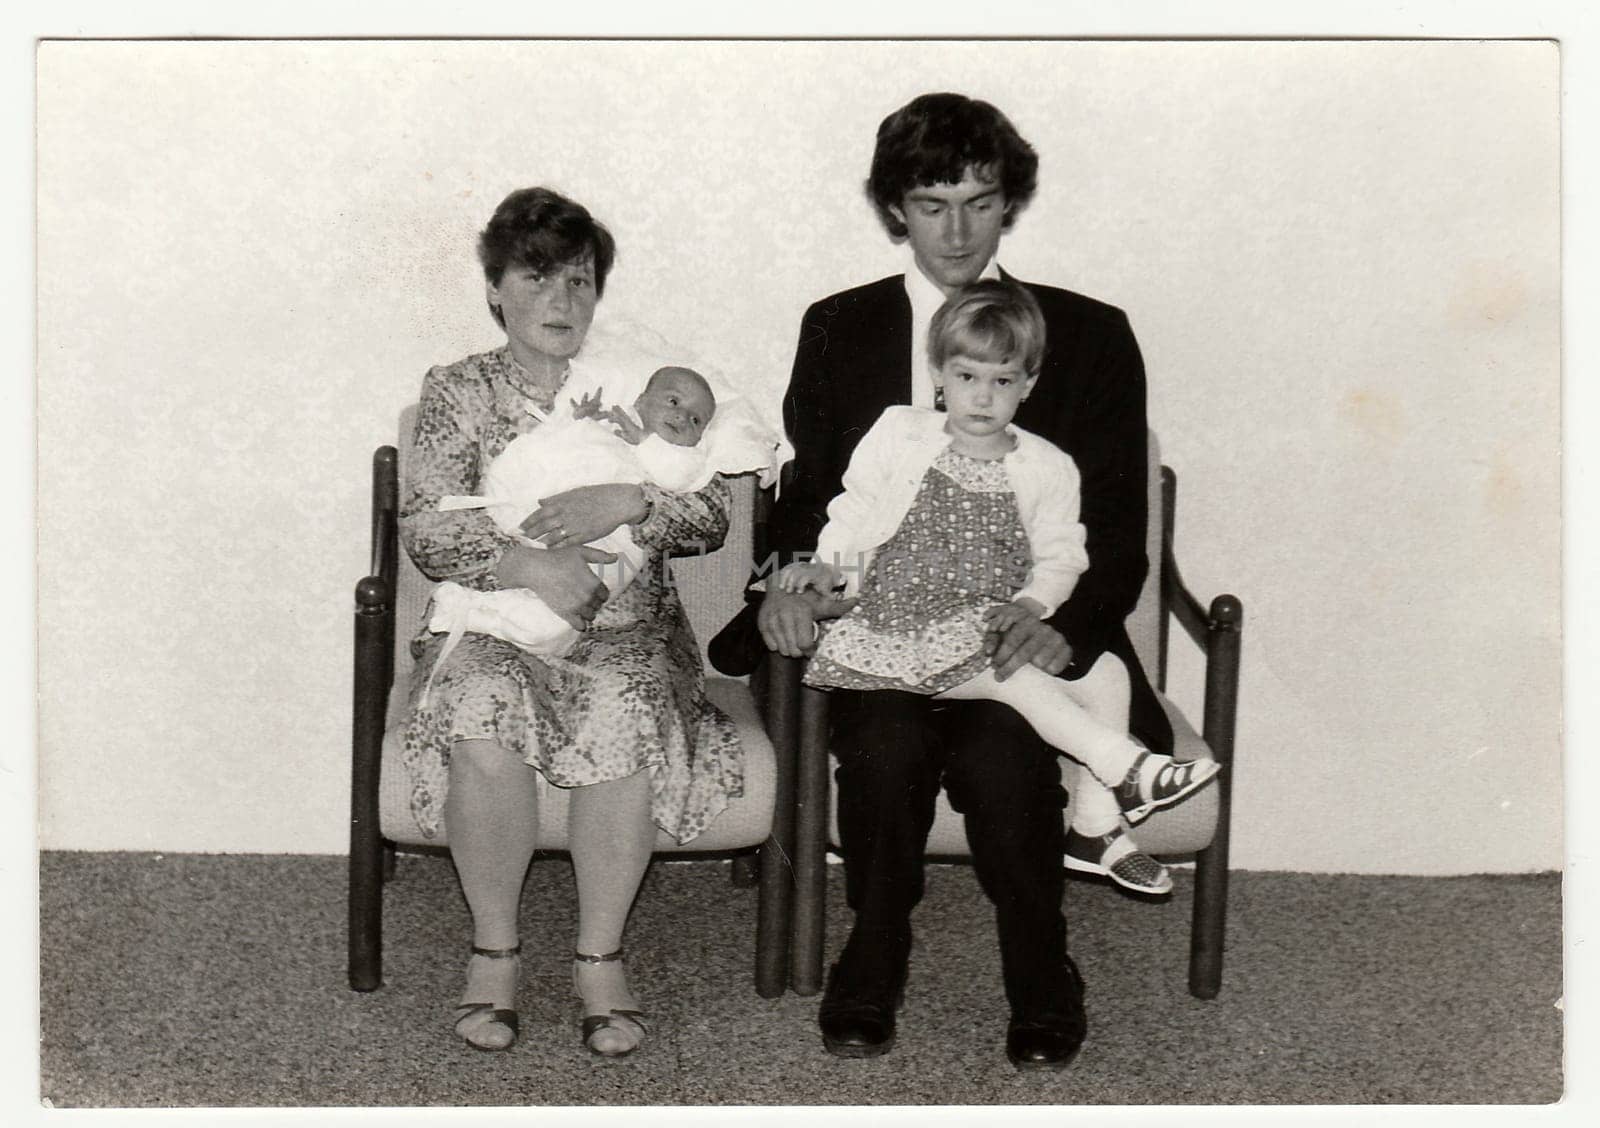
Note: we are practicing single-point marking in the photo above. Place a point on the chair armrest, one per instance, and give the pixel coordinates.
(374, 596)
(1218, 631)
(1226, 611)
(373, 674)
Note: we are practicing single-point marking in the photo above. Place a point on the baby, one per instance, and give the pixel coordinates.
(675, 407)
(658, 442)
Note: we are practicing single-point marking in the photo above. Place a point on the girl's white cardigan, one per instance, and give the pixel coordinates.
(887, 468)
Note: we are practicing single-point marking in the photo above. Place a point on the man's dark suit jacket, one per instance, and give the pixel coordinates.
(854, 359)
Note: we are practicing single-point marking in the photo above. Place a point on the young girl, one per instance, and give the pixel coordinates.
(953, 526)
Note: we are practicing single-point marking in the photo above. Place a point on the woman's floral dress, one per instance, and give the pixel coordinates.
(629, 695)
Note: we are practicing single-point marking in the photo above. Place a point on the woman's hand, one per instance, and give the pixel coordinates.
(561, 577)
(585, 514)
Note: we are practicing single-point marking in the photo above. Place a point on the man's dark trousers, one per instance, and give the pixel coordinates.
(894, 749)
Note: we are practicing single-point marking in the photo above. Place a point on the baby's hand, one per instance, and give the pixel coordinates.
(627, 430)
(819, 577)
(1002, 618)
(589, 406)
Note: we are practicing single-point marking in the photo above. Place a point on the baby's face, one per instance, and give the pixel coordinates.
(677, 405)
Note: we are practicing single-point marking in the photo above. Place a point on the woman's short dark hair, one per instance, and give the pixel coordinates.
(537, 229)
(993, 320)
(934, 139)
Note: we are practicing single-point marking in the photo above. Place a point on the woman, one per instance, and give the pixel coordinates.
(621, 720)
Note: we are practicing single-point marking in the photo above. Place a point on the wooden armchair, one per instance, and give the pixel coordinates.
(1195, 829)
(756, 829)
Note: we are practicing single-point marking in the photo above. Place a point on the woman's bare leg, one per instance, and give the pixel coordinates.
(491, 816)
(611, 838)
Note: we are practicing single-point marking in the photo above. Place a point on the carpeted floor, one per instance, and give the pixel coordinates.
(190, 980)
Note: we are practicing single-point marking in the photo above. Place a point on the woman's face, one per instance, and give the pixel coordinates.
(547, 313)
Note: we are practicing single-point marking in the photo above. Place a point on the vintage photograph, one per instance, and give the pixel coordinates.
(799, 572)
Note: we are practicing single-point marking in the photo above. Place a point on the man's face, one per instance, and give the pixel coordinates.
(954, 228)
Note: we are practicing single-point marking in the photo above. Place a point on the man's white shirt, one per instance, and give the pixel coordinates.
(926, 298)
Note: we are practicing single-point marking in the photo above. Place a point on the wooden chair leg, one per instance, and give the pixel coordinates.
(366, 924)
(746, 870)
(1209, 925)
(365, 906)
(1207, 935)
(811, 845)
(774, 905)
(778, 691)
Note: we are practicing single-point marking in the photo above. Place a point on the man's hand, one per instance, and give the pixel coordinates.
(1027, 640)
(788, 621)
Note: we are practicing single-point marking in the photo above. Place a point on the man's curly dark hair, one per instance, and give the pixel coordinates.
(935, 139)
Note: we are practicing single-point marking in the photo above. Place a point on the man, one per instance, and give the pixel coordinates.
(949, 176)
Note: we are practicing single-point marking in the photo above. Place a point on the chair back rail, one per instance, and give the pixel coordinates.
(1146, 625)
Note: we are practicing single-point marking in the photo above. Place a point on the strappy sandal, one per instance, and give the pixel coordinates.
(1173, 781)
(629, 1023)
(501, 1016)
(1132, 869)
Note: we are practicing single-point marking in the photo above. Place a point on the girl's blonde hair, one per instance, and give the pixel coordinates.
(991, 320)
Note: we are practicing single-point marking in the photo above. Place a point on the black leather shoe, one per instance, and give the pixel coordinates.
(1050, 1039)
(1045, 1042)
(855, 1026)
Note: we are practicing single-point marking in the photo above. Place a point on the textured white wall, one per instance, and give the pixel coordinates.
(1341, 260)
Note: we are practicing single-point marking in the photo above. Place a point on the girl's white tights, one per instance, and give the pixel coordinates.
(1086, 719)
